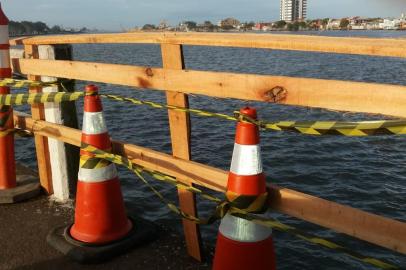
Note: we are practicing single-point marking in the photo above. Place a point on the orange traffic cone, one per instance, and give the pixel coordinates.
(13, 188)
(242, 244)
(100, 214)
(101, 228)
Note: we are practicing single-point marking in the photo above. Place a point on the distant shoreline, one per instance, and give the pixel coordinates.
(268, 31)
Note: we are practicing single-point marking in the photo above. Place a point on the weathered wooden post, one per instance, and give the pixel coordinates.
(179, 123)
(64, 157)
(41, 143)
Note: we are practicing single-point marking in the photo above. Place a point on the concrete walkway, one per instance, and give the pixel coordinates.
(23, 230)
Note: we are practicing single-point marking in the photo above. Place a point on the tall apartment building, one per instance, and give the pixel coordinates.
(293, 10)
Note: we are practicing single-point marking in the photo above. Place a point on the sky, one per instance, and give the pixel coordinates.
(124, 14)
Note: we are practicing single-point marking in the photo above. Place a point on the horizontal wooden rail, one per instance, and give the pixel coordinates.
(328, 94)
(375, 229)
(362, 46)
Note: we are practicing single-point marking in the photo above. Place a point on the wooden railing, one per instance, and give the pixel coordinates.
(177, 82)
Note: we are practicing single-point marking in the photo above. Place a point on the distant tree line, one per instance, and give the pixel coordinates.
(208, 26)
(38, 28)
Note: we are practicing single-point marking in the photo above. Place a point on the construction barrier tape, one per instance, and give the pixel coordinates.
(16, 83)
(361, 128)
(222, 207)
(33, 98)
(251, 204)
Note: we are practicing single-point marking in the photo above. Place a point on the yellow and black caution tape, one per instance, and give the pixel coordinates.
(26, 83)
(361, 128)
(20, 83)
(222, 207)
(251, 204)
(90, 162)
(33, 98)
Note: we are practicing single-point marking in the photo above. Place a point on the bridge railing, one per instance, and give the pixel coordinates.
(178, 83)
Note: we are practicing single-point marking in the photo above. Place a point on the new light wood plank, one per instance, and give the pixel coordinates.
(179, 124)
(41, 142)
(362, 46)
(328, 94)
(375, 229)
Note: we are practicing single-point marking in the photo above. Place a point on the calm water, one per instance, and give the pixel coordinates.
(366, 173)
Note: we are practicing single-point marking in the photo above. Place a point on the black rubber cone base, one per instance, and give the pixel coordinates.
(142, 233)
(28, 186)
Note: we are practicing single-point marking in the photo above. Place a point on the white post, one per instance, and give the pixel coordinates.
(57, 150)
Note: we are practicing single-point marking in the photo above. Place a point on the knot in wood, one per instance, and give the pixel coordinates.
(276, 94)
(149, 72)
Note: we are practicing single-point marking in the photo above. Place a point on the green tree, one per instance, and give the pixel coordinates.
(227, 27)
(207, 23)
(344, 23)
(16, 28)
(148, 27)
(28, 27)
(249, 25)
(293, 26)
(302, 25)
(280, 24)
(191, 24)
(56, 29)
(40, 27)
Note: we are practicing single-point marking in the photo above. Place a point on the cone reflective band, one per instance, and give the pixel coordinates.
(5, 63)
(242, 244)
(100, 215)
(7, 161)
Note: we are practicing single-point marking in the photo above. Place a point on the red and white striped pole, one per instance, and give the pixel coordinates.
(7, 161)
(242, 244)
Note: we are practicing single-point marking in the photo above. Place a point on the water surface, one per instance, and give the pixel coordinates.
(366, 173)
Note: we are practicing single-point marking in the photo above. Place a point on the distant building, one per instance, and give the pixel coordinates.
(390, 24)
(262, 26)
(293, 10)
(333, 24)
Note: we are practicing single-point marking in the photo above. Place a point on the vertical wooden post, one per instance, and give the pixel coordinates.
(41, 143)
(179, 122)
(63, 157)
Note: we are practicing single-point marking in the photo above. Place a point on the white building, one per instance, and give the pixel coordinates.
(390, 24)
(293, 10)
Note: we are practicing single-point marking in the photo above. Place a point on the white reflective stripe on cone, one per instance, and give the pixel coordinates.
(242, 230)
(4, 39)
(97, 175)
(246, 160)
(93, 123)
(4, 58)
